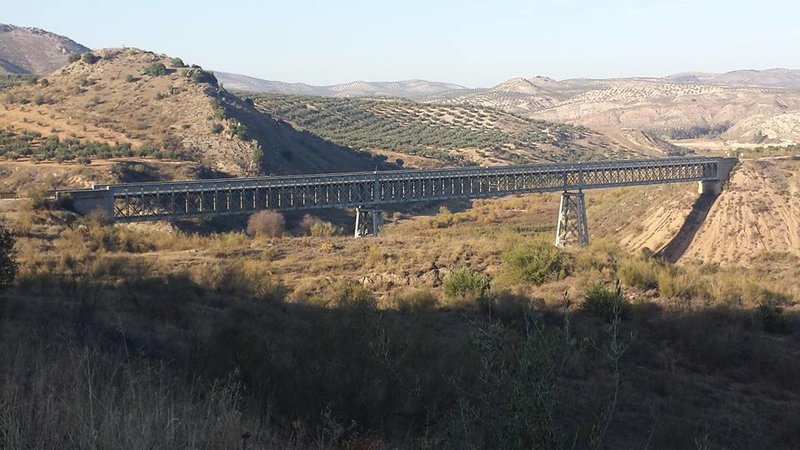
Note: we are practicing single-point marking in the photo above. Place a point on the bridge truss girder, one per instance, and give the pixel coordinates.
(374, 190)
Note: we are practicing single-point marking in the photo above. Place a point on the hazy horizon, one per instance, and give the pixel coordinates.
(465, 43)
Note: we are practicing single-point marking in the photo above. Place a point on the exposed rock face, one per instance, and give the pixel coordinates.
(25, 51)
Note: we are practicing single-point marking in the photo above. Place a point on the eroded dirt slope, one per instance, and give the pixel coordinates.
(759, 213)
(756, 218)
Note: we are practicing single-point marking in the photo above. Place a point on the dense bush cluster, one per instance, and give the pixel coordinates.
(603, 302)
(155, 70)
(467, 284)
(537, 262)
(202, 76)
(90, 58)
(7, 81)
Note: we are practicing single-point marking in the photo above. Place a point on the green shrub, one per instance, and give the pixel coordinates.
(238, 129)
(537, 262)
(603, 302)
(90, 58)
(201, 76)
(674, 283)
(155, 70)
(323, 229)
(640, 273)
(8, 265)
(177, 63)
(258, 157)
(466, 283)
(353, 295)
(39, 199)
(770, 313)
(74, 57)
(217, 128)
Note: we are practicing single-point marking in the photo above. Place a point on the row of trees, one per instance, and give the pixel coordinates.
(352, 122)
(27, 144)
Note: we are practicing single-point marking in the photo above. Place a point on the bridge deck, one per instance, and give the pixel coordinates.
(170, 200)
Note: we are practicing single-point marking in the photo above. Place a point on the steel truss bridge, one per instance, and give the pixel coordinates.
(369, 192)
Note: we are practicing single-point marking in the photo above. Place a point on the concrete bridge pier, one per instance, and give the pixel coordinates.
(709, 187)
(572, 223)
(368, 222)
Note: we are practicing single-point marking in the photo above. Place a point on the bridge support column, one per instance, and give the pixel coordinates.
(572, 223)
(368, 222)
(711, 187)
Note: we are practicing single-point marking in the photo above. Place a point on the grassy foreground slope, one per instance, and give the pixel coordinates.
(449, 134)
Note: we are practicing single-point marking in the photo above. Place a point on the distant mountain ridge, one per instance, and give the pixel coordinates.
(780, 78)
(406, 88)
(26, 51)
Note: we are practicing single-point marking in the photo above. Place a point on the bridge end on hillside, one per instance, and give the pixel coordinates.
(714, 186)
(86, 201)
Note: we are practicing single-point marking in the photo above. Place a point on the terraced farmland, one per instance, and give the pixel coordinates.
(449, 134)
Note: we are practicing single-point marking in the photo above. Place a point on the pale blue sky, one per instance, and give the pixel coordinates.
(469, 42)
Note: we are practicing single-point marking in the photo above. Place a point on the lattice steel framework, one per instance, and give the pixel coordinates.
(572, 224)
(173, 200)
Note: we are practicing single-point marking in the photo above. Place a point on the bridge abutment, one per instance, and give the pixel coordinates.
(87, 201)
(709, 187)
(572, 223)
(368, 222)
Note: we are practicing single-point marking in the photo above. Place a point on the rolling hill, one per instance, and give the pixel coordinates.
(440, 134)
(406, 89)
(784, 78)
(742, 107)
(673, 108)
(129, 103)
(25, 51)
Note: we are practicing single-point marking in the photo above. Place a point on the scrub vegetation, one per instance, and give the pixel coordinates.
(462, 328)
